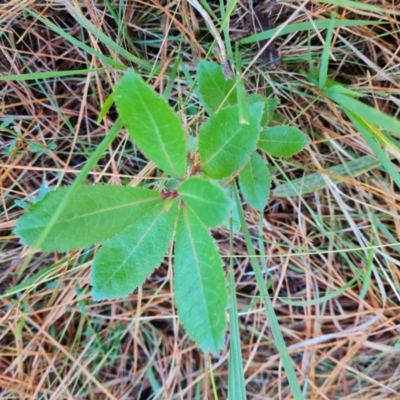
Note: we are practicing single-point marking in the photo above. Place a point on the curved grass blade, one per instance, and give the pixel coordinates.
(306, 26)
(363, 111)
(269, 309)
(316, 181)
(79, 44)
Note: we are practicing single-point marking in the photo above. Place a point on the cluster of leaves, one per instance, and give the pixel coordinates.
(137, 225)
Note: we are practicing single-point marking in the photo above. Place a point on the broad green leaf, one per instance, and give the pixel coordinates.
(282, 141)
(225, 145)
(152, 124)
(126, 260)
(269, 107)
(255, 182)
(199, 283)
(206, 199)
(92, 215)
(214, 89)
(272, 104)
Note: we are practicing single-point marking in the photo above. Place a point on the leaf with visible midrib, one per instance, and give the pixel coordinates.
(126, 260)
(152, 124)
(199, 283)
(93, 214)
(206, 199)
(225, 144)
(215, 91)
(257, 98)
(255, 182)
(282, 141)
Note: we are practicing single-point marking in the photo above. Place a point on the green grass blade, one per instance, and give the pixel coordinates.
(368, 113)
(106, 107)
(102, 37)
(236, 383)
(316, 181)
(321, 299)
(121, 25)
(323, 72)
(41, 276)
(360, 5)
(274, 324)
(49, 74)
(306, 26)
(241, 90)
(363, 128)
(390, 238)
(76, 42)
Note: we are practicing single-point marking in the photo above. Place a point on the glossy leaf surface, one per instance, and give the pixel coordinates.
(206, 199)
(126, 260)
(152, 124)
(268, 107)
(282, 141)
(255, 182)
(225, 144)
(214, 88)
(93, 214)
(199, 283)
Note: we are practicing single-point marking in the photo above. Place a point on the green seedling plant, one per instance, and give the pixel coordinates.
(136, 225)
